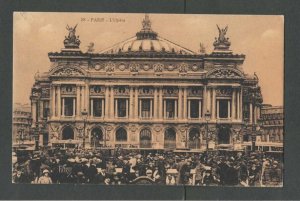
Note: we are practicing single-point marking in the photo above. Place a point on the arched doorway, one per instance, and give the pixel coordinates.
(145, 138)
(224, 135)
(194, 138)
(67, 133)
(170, 138)
(96, 137)
(121, 135)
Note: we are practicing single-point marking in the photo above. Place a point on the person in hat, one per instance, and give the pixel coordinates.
(45, 178)
(208, 179)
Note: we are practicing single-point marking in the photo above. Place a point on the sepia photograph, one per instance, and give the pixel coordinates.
(148, 99)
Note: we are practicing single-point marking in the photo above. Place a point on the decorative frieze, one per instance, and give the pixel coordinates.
(170, 91)
(195, 91)
(68, 89)
(97, 90)
(224, 92)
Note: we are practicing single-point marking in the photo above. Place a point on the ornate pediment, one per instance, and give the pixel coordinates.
(67, 72)
(225, 73)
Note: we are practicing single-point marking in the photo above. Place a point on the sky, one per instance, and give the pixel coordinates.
(259, 37)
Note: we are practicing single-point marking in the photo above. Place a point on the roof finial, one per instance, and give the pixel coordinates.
(146, 32)
(146, 23)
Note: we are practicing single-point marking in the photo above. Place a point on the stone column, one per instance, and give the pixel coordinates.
(238, 105)
(92, 107)
(189, 109)
(155, 106)
(204, 99)
(208, 100)
(53, 100)
(218, 110)
(63, 107)
(184, 103)
(228, 107)
(102, 107)
(136, 103)
(87, 98)
(116, 109)
(250, 112)
(131, 102)
(160, 103)
(165, 109)
(241, 103)
(78, 101)
(41, 109)
(58, 101)
(175, 105)
(111, 107)
(74, 107)
(180, 103)
(233, 104)
(127, 104)
(107, 105)
(33, 111)
(213, 113)
(151, 108)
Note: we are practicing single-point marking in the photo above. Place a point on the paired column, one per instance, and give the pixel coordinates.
(160, 102)
(180, 103)
(136, 102)
(77, 101)
(131, 103)
(111, 107)
(204, 103)
(58, 101)
(250, 112)
(184, 103)
(233, 104)
(107, 105)
(213, 108)
(155, 106)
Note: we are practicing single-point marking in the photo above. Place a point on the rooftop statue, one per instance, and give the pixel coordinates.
(222, 43)
(71, 41)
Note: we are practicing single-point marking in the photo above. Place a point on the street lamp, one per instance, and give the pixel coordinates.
(20, 135)
(207, 118)
(84, 114)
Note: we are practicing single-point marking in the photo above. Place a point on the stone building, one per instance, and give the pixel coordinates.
(273, 126)
(21, 124)
(145, 92)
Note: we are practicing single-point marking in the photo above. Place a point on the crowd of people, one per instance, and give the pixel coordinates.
(215, 168)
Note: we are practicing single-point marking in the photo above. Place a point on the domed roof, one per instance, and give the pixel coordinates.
(147, 40)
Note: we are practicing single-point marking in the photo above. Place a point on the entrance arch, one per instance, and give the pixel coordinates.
(96, 137)
(145, 138)
(194, 138)
(68, 133)
(224, 135)
(170, 138)
(121, 135)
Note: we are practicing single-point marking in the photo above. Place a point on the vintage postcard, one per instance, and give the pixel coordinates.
(166, 99)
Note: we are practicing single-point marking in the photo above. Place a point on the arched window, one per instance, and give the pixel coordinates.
(121, 135)
(194, 138)
(170, 138)
(67, 133)
(145, 138)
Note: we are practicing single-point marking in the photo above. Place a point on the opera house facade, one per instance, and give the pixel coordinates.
(146, 93)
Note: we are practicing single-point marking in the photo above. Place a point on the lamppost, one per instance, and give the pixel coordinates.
(21, 135)
(84, 114)
(207, 118)
(255, 126)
